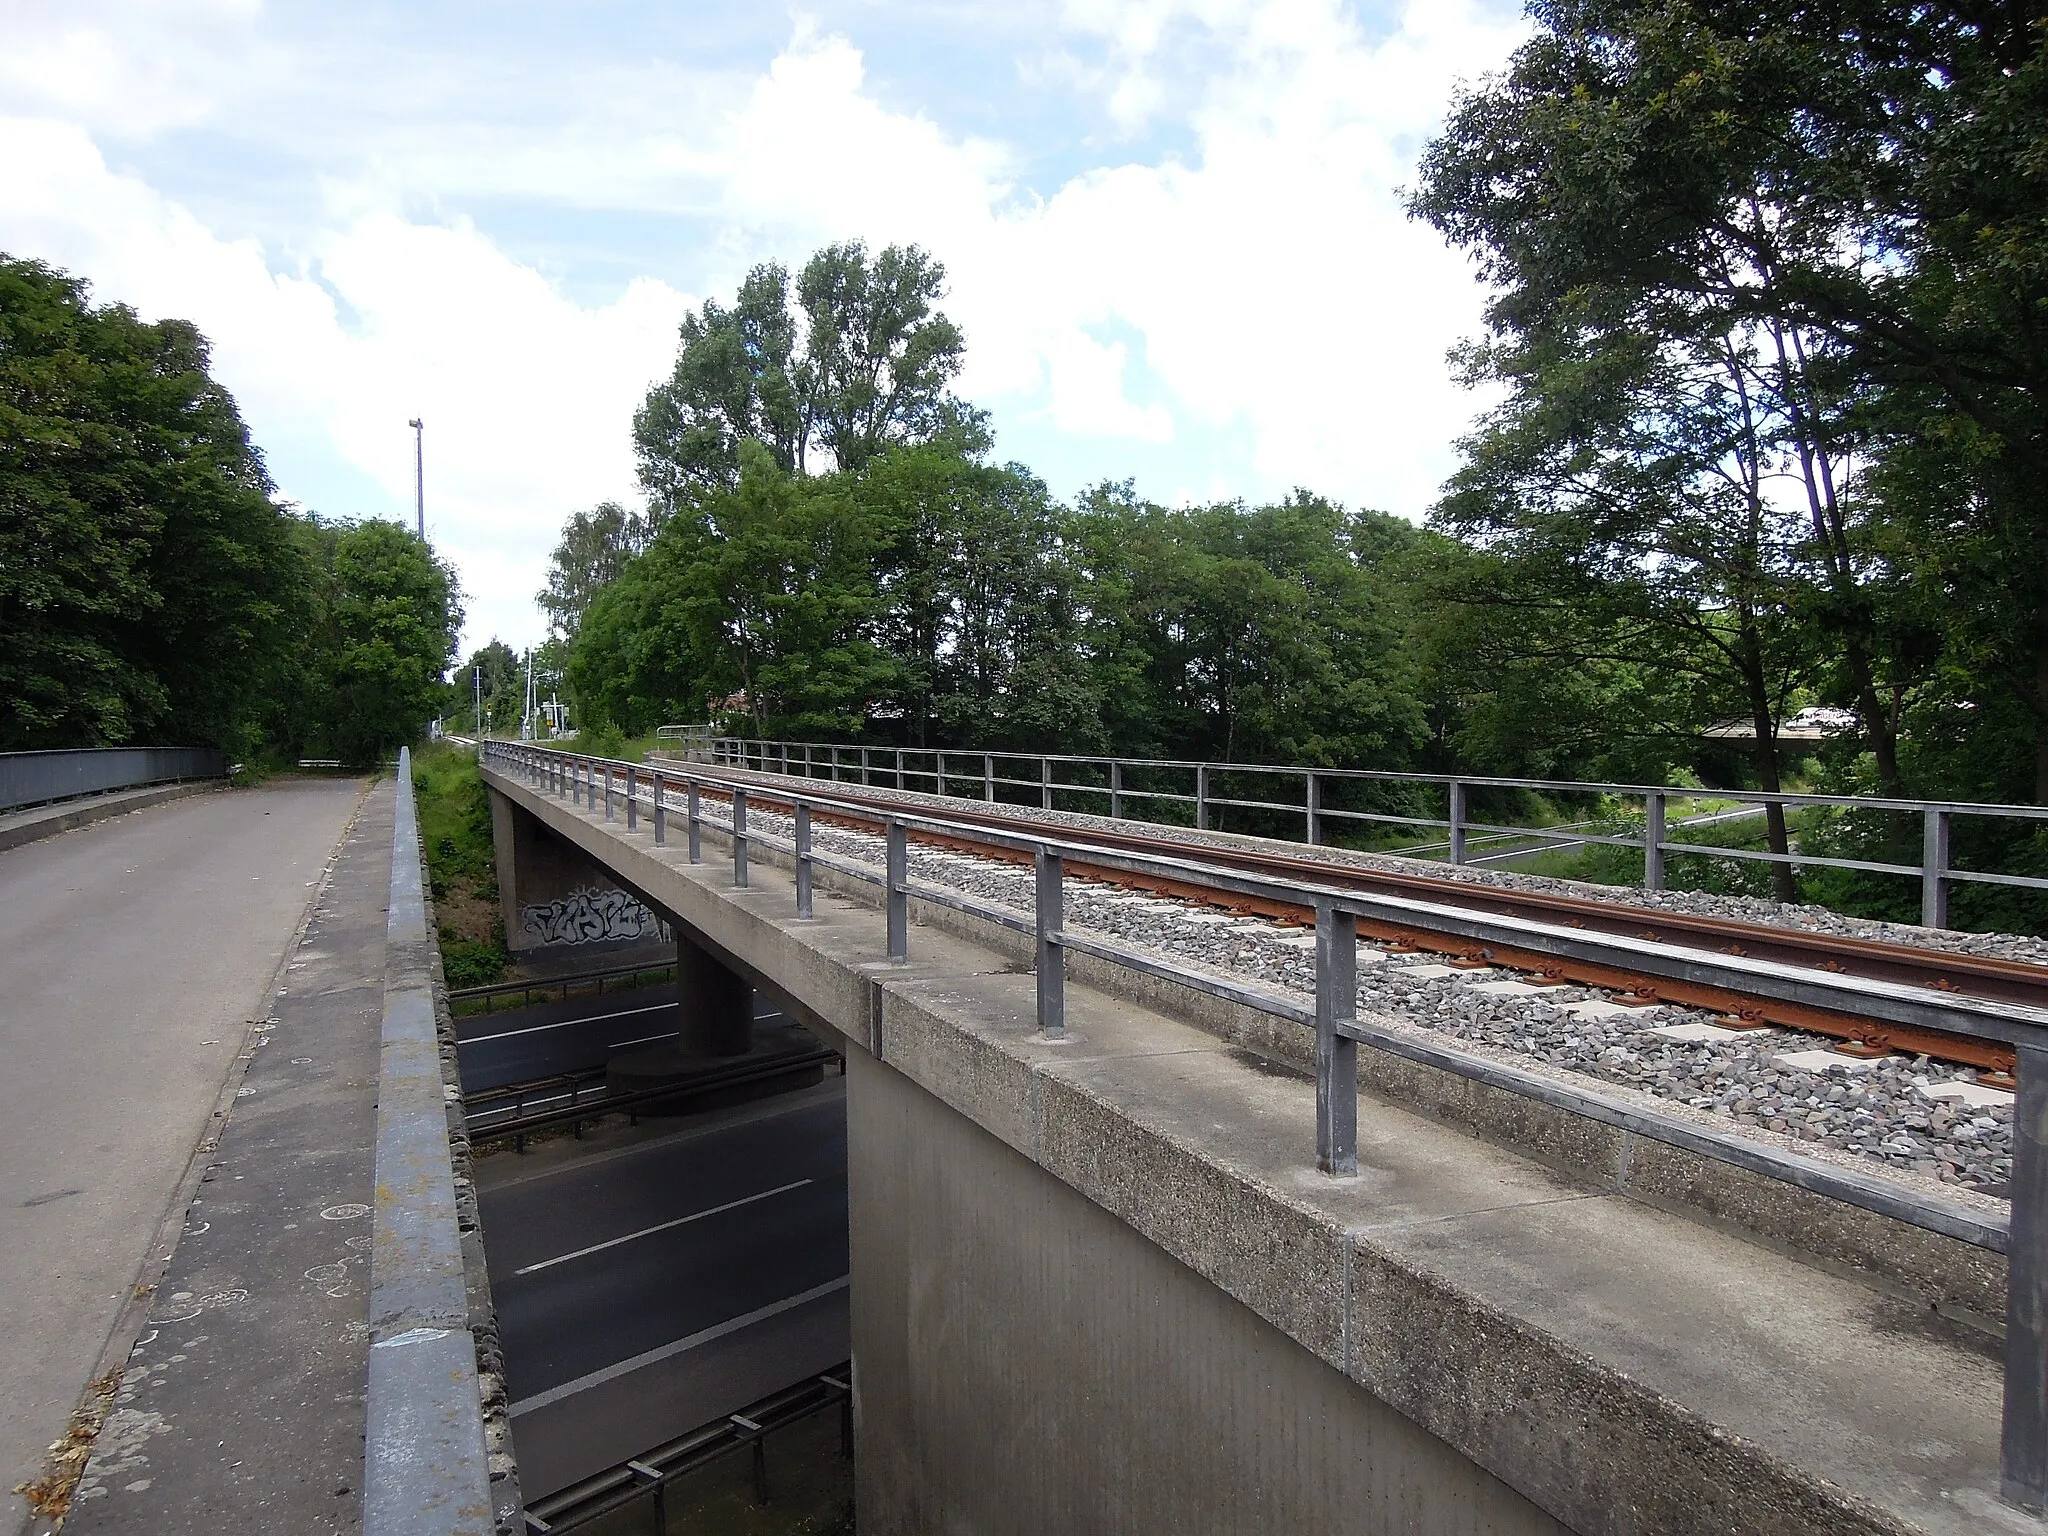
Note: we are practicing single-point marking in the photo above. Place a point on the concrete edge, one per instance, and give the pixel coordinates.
(426, 1466)
(22, 827)
(1954, 1278)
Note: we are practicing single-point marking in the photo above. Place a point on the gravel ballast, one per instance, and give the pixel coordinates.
(1869, 1112)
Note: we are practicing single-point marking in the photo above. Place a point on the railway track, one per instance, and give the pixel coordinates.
(1942, 974)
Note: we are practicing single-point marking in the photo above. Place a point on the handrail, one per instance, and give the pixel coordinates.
(2023, 1238)
(36, 778)
(898, 767)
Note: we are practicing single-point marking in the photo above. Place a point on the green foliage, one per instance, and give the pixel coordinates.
(455, 827)
(593, 551)
(149, 586)
(382, 644)
(151, 589)
(868, 368)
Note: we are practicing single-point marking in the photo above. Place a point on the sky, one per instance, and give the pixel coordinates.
(1172, 229)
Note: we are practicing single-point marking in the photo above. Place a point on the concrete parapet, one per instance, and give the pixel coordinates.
(19, 827)
(426, 1464)
(1621, 1368)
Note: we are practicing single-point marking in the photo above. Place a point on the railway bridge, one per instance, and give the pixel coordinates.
(1144, 1241)
(1177, 1180)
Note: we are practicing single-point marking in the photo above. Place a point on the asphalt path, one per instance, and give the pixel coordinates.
(137, 952)
(649, 1287)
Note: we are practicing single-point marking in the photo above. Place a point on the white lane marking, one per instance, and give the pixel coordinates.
(594, 1018)
(671, 1350)
(680, 1221)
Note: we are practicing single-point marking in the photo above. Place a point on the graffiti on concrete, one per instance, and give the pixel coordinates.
(591, 916)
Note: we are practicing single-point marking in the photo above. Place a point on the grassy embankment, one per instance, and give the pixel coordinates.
(455, 824)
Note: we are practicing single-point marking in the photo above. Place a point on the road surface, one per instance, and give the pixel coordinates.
(645, 1286)
(137, 952)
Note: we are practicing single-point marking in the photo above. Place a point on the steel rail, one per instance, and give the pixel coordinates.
(1940, 969)
(1338, 1032)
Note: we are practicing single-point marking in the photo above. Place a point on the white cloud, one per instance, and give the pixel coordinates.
(527, 397)
(1254, 300)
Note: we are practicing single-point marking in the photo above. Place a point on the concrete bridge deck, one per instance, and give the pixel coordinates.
(140, 954)
(1098, 1284)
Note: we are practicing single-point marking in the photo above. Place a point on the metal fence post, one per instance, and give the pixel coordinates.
(1457, 822)
(696, 817)
(2023, 1436)
(1653, 843)
(1051, 960)
(939, 773)
(607, 791)
(739, 838)
(803, 861)
(1045, 783)
(863, 765)
(1336, 1055)
(632, 799)
(1934, 870)
(660, 815)
(899, 767)
(835, 762)
(576, 785)
(1315, 809)
(1201, 797)
(807, 761)
(988, 778)
(898, 874)
(1116, 789)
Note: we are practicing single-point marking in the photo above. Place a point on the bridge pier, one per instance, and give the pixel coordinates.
(716, 1012)
(552, 893)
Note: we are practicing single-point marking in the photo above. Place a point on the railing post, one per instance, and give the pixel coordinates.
(1116, 789)
(632, 799)
(1653, 843)
(1336, 1054)
(939, 774)
(898, 875)
(1050, 962)
(696, 819)
(899, 767)
(660, 815)
(1045, 783)
(576, 785)
(1934, 869)
(803, 861)
(607, 791)
(2023, 1437)
(1201, 797)
(863, 765)
(988, 777)
(1457, 822)
(1315, 808)
(739, 838)
(835, 762)
(807, 761)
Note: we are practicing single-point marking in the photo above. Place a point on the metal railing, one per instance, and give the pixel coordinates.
(1132, 788)
(34, 778)
(694, 741)
(588, 783)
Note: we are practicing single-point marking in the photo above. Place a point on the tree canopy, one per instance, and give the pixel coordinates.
(851, 360)
(152, 588)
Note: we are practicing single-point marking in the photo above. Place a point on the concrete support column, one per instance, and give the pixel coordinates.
(716, 1016)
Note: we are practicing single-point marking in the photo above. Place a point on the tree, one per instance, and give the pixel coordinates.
(1838, 206)
(593, 550)
(150, 588)
(495, 673)
(392, 618)
(868, 366)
